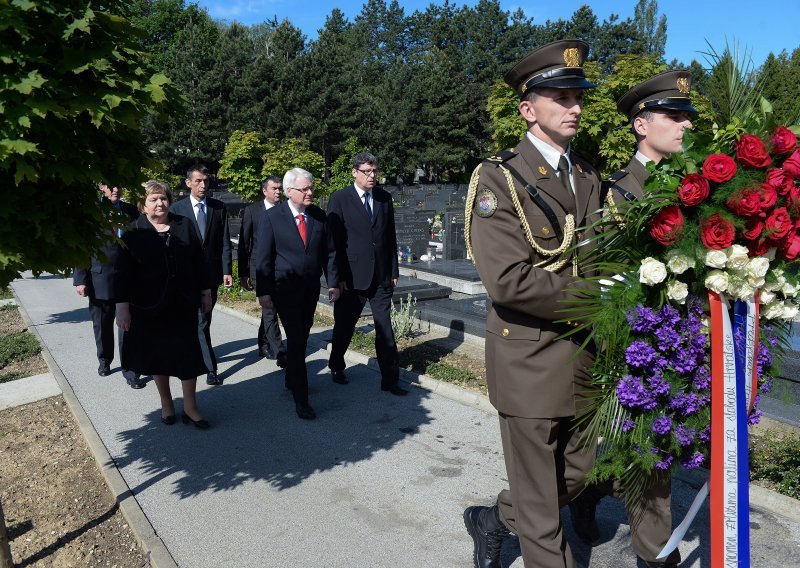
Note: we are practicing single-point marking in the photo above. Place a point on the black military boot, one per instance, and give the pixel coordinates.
(487, 532)
(582, 510)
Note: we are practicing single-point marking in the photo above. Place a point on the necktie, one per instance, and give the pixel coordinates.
(367, 208)
(301, 227)
(563, 173)
(201, 220)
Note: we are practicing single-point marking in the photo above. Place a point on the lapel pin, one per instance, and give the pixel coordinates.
(542, 170)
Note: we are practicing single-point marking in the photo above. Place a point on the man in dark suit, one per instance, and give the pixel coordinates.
(361, 220)
(211, 221)
(529, 204)
(99, 284)
(269, 332)
(292, 252)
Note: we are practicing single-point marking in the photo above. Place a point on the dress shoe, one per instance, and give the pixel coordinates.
(582, 509)
(103, 370)
(202, 423)
(339, 377)
(136, 381)
(487, 532)
(213, 379)
(281, 360)
(304, 411)
(395, 390)
(168, 420)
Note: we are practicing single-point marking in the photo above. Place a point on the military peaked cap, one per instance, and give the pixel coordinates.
(557, 65)
(665, 91)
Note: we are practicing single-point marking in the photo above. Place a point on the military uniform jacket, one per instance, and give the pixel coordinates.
(530, 374)
(630, 184)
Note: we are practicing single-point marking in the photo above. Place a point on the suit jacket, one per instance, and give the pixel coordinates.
(284, 266)
(101, 278)
(217, 240)
(248, 235)
(364, 249)
(529, 373)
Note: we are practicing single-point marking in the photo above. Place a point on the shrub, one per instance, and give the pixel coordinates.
(776, 460)
(18, 346)
(404, 317)
(448, 373)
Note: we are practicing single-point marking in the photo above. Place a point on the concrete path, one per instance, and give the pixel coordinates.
(376, 480)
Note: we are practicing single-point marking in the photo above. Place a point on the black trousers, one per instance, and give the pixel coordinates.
(297, 314)
(103, 313)
(204, 329)
(346, 312)
(269, 332)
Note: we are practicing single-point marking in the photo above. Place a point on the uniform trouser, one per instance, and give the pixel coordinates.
(546, 466)
(103, 313)
(297, 314)
(650, 519)
(346, 311)
(269, 332)
(204, 329)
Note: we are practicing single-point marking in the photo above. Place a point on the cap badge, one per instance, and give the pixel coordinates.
(542, 170)
(572, 57)
(683, 85)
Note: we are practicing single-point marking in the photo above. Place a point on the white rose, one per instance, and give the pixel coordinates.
(737, 257)
(652, 271)
(716, 258)
(755, 281)
(766, 297)
(758, 266)
(678, 263)
(775, 281)
(740, 289)
(789, 311)
(716, 281)
(773, 310)
(789, 289)
(677, 291)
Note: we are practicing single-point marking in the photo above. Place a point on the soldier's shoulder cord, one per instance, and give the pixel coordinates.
(501, 157)
(540, 202)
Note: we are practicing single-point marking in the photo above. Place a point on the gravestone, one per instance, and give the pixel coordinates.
(412, 229)
(454, 241)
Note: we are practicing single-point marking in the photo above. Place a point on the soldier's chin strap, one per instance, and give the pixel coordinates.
(567, 233)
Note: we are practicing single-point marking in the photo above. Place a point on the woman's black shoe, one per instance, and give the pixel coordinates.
(202, 423)
(168, 420)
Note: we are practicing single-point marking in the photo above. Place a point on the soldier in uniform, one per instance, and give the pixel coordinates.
(526, 209)
(659, 110)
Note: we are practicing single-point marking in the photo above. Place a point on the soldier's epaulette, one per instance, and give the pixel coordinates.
(616, 176)
(501, 157)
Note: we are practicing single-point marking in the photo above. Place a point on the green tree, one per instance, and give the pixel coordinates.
(75, 87)
(781, 77)
(240, 167)
(342, 168)
(508, 127)
(652, 29)
(282, 155)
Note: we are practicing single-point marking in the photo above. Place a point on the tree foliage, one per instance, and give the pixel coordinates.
(282, 155)
(75, 87)
(241, 164)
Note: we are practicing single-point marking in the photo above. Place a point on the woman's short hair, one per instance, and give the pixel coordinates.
(155, 187)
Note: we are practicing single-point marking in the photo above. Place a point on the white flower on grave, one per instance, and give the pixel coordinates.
(775, 280)
(678, 263)
(716, 281)
(773, 310)
(677, 291)
(652, 271)
(766, 297)
(758, 266)
(738, 257)
(716, 258)
(755, 281)
(789, 289)
(789, 311)
(739, 288)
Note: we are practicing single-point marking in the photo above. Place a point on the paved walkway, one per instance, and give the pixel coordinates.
(376, 480)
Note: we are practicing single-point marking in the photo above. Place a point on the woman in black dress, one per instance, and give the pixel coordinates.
(163, 283)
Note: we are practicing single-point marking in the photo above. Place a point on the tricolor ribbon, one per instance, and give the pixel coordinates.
(734, 380)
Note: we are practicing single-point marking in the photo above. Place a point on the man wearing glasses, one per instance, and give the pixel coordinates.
(291, 254)
(361, 220)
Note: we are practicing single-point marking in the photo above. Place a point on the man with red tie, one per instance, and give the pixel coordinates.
(291, 254)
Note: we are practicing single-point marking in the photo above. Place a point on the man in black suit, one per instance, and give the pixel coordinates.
(361, 220)
(99, 284)
(269, 332)
(291, 254)
(211, 221)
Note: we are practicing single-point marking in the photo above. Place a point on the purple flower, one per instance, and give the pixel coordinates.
(628, 425)
(632, 393)
(702, 379)
(665, 463)
(694, 461)
(667, 338)
(658, 386)
(755, 417)
(705, 435)
(686, 403)
(685, 436)
(670, 317)
(662, 425)
(642, 319)
(639, 354)
(766, 386)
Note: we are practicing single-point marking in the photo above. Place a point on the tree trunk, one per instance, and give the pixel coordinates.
(5, 547)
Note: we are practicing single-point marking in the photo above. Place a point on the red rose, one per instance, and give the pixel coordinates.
(753, 228)
(790, 246)
(760, 247)
(666, 225)
(719, 168)
(778, 224)
(716, 232)
(792, 164)
(746, 202)
(751, 151)
(693, 190)
(793, 206)
(779, 179)
(769, 197)
(783, 141)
